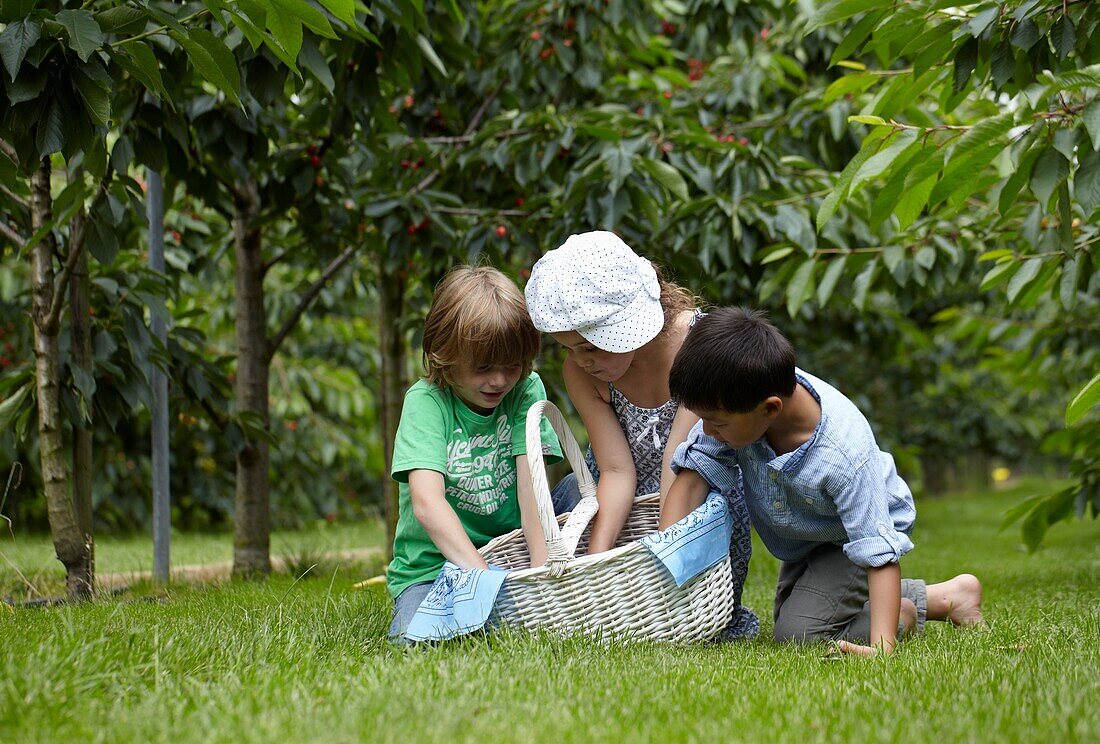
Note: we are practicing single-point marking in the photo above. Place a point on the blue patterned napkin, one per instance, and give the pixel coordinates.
(695, 543)
(459, 602)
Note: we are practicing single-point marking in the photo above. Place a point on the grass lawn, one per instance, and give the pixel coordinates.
(307, 661)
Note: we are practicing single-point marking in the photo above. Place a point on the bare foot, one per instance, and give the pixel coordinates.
(958, 601)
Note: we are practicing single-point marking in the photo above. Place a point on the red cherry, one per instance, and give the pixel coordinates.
(765, 33)
(567, 42)
(312, 149)
(315, 161)
(319, 181)
(545, 53)
(667, 94)
(535, 36)
(502, 230)
(744, 142)
(409, 101)
(519, 201)
(411, 229)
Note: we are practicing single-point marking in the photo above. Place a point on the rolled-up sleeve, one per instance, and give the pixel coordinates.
(708, 457)
(863, 506)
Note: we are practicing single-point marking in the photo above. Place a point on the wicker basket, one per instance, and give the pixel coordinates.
(625, 591)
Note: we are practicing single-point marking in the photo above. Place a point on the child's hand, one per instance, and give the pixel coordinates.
(856, 649)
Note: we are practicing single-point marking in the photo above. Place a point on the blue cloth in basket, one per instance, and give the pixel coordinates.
(695, 543)
(459, 602)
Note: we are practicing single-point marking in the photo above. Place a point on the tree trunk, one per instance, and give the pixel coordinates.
(81, 354)
(72, 549)
(252, 521)
(391, 297)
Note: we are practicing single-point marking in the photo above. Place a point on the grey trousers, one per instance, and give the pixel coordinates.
(824, 597)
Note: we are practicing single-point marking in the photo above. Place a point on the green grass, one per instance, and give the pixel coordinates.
(32, 556)
(307, 661)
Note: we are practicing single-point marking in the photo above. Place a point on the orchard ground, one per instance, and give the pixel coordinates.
(305, 659)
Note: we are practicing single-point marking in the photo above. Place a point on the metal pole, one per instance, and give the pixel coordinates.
(162, 499)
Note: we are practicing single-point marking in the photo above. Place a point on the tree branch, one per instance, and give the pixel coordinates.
(15, 197)
(472, 212)
(218, 420)
(307, 299)
(464, 139)
(276, 259)
(18, 240)
(473, 125)
(76, 247)
(8, 150)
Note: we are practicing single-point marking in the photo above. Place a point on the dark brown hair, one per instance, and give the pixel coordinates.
(732, 360)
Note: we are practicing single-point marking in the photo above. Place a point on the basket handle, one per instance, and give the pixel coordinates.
(560, 543)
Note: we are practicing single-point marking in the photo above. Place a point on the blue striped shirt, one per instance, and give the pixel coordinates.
(838, 487)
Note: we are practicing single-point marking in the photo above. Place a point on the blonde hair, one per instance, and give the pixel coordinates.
(478, 316)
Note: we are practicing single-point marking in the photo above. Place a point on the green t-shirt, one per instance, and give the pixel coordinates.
(476, 455)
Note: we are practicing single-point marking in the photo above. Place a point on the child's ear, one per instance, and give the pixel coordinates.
(773, 406)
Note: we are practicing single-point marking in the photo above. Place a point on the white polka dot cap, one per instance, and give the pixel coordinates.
(596, 285)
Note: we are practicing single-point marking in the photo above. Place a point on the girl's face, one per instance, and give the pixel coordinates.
(483, 387)
(603, 365)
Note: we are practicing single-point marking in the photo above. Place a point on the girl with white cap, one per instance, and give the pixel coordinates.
(623, 324)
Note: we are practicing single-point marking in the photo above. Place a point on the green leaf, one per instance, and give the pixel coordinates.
(966, 59)
(1025, 35)
(830, 278)
(1050, 170)
(998, 274)
(15, 41)
(11, 407)
(314, 61)
(212, 60)
(776, 255)
(862, 285)
(1086, 182)
(15, 10)
(884, 158)
(1063, 36)
(50, 137)
(840, 190)
(287, 31)
(1022, 278)
(982, 19)
(668, 177)
(801, 287)
(96, 97)
(1067, 287)
(1090, 118)
(842, 86)
(1088, 397)
(342, 9)
(85, 35)
(855, 37)
(141, 62)
(304, 12)
(912, 202)
(429, 52)
(872, 120)
(122, 20)
(837, 10)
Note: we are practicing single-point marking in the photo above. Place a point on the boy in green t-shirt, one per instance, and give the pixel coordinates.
(459, 455)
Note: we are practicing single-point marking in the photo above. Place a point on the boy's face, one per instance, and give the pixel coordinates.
(607, 366)
(482, 387)
(739, 430)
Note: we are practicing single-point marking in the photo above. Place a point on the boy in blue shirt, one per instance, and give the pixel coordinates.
(822, 496)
